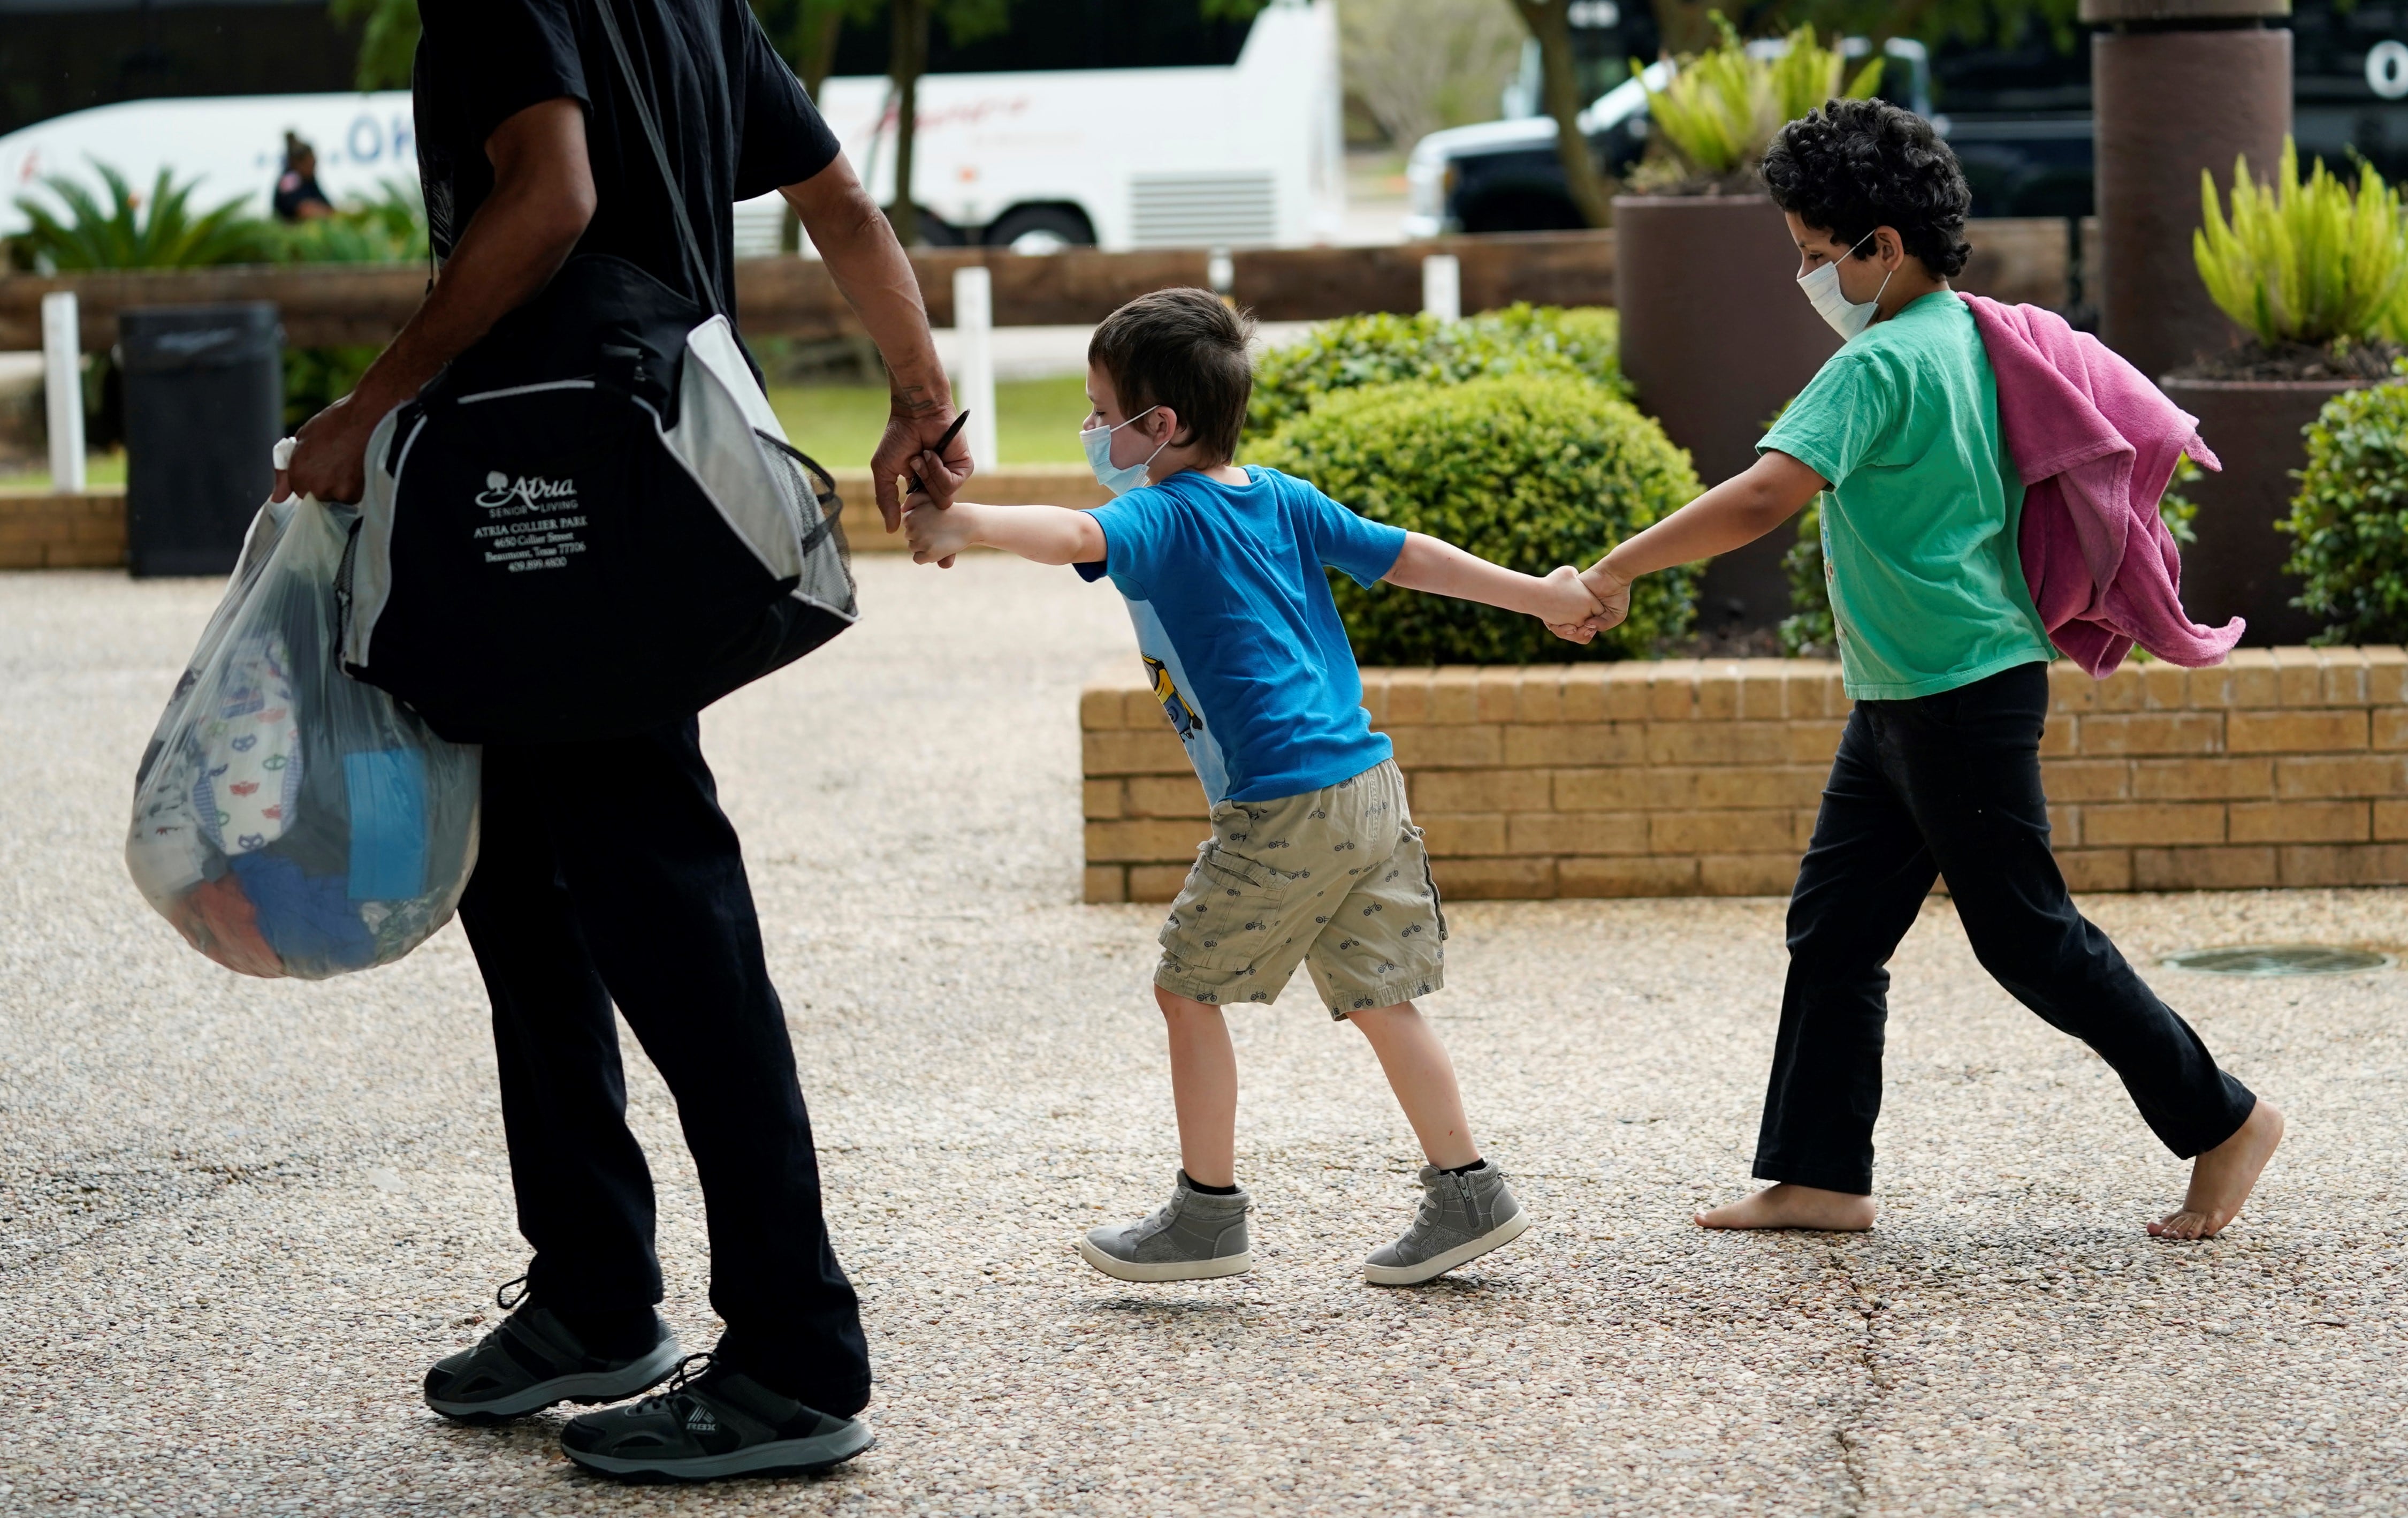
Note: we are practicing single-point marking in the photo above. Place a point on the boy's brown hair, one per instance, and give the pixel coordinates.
(1186, 350)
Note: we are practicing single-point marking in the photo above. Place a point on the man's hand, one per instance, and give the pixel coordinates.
(329, 452)
(907, 449)
(937, 533)
(857, 247)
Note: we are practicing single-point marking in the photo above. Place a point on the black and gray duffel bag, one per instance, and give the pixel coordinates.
(591, 521)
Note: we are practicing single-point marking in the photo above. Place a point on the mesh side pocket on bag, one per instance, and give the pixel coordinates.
(810, 495)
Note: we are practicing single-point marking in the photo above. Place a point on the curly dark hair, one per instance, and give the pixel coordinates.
(1856, 165)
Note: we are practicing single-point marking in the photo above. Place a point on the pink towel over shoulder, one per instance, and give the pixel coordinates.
(2096, 444)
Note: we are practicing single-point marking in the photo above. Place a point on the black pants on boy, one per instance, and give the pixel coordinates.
(606, 873)
(1950, 786)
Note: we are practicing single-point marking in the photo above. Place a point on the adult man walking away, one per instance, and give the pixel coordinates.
(529, 148)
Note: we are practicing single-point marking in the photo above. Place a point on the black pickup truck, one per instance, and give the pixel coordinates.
(2018, 117)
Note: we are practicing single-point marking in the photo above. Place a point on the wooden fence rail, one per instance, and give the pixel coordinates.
(327, 305)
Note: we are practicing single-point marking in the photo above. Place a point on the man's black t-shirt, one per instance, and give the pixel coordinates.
(733, 118)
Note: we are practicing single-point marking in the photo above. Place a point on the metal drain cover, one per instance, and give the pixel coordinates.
(2278, 960)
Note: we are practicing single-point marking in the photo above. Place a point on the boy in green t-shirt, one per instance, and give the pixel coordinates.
(1938, 773)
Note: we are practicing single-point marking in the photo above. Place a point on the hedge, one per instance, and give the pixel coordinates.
(1357, 351)
(2350, 518)
(1530, 470)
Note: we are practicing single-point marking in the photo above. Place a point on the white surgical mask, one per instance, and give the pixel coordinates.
(1822, 286)
(1098, 441)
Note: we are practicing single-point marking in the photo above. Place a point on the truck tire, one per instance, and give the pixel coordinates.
(1040, 229)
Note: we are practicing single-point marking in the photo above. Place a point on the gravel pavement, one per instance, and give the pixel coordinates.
(238, 1218)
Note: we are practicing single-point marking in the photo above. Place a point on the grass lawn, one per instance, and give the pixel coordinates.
(1037, 421)
(835, 424)
(99, 468)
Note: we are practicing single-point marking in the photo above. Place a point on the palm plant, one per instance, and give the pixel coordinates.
(160, 230)
(2305, 261)
(1720, 110)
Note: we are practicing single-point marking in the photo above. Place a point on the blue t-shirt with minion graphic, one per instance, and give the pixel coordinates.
(1228, 589)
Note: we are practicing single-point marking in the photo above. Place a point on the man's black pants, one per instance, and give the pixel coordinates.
(606, 873)
(1950, 786)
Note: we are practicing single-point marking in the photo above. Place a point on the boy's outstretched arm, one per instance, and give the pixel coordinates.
(1044, 534)
(1732, 515)
(1427, 563)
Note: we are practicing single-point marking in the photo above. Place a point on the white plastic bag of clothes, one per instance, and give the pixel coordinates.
(289, 820)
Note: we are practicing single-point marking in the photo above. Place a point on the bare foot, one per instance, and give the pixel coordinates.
(2221, 1179)
(1797, 1207)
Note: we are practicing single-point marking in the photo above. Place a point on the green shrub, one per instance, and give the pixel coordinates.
(389, 229)
(2351, 517)
(1530, 470)
(2304, 261)
(1807, 630)
(1357, 351)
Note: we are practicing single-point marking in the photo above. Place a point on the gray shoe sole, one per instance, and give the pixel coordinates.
(1439, 1264)
(586, 1386)
(789, 1455)
(1227, 1264)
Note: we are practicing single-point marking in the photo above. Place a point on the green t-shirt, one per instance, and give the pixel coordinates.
(1919, 525)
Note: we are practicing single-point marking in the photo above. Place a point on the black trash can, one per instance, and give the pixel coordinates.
(204, 406)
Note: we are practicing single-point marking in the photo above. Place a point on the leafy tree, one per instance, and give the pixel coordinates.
(388, 40)
(1422, 65)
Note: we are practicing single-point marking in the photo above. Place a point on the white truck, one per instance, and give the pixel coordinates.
(1240, 154)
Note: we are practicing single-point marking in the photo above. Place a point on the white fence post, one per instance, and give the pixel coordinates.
(63, 388)
(974, 388)
(1442, 287)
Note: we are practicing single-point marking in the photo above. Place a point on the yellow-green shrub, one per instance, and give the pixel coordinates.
(2304, 261)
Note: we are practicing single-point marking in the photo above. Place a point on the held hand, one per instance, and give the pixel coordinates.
(330, 452)
(906, 449)
(1612, 595)
(1563, 600)
(936, 533)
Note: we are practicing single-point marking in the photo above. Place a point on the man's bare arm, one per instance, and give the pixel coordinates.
(542, 199)
(871, 268)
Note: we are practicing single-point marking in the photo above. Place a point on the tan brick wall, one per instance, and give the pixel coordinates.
(42, 530)
(2283, 767)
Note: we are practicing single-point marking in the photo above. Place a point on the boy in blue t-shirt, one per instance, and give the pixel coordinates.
(1313, 858)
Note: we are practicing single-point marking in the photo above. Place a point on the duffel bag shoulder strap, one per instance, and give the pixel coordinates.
(706, 290)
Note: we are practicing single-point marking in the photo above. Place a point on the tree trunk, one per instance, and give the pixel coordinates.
(1687, 26)
(821, 27)
(1550, 22)
(910, 59)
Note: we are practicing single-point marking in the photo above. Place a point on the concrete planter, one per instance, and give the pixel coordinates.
(1716, 338)
(1684, 778)
(2236, 567)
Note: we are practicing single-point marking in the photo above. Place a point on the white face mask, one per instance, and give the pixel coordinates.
(1822, 286)
(1098, 441)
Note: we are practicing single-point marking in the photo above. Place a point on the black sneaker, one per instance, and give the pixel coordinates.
(712, 1421)
(533, 1360)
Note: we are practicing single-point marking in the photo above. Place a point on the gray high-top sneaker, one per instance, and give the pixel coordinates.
(1461, 1218)
(1192, 1237)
